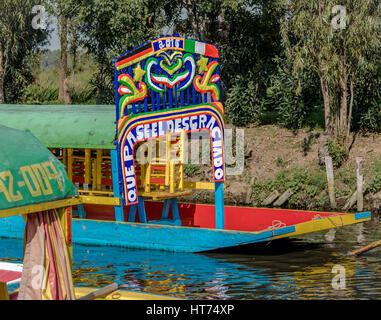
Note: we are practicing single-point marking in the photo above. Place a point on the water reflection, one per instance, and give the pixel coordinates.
(289, 269)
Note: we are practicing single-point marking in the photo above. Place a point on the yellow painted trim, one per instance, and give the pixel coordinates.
(39, 207)
(323, 224)
(98, 180)
(127, 64)
(96, 192)
(4, 295)
(100, 200)
(62, 213)
(70, 164)
(87, 166)
(161, 195)
(121, 295)
(199, 185)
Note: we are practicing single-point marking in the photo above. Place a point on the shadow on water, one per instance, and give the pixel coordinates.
(275, 247)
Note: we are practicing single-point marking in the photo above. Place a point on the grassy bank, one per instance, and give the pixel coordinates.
(279, 159)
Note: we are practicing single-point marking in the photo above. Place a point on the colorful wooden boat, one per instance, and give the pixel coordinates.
(244, 226)
(10, 273)
(164, 90)
(25, 163)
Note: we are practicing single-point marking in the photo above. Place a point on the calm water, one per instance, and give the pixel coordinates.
(296, 269)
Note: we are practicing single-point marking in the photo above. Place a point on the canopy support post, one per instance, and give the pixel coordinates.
(118, 210)
(219, 204)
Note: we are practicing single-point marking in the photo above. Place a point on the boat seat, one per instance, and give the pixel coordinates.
(163, 175)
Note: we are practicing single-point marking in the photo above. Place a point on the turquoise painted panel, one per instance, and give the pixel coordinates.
(144, 236)
(362, 215)
(161, 237)
(12, 227)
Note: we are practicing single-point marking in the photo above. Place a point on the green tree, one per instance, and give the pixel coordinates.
(65, 12)
(338, 43)
(247, 35)
(19, 42)
(109, 28)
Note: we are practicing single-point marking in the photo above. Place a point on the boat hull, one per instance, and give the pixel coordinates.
(191, 238)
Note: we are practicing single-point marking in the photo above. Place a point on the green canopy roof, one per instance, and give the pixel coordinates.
(29, 172)
(64, 126)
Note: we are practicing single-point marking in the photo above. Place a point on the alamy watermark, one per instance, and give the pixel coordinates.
(40, 17)
(338, 281)
(339, 20)
(197, 150)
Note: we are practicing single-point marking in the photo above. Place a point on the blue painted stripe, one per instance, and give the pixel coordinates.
(162, 237)
(118, 210)
(116, 83)
(218, 83)
(170, 98)
(175, 96)
(132, 213)
(157, 101)
(285, 230)
(151, 236)
(219, 204)
(194, 95)
(182, 98)
(164, 102)
(132, 76)
(153, 100)
(362, 215)
(142, 210)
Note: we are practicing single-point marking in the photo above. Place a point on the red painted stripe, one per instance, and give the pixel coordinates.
(158, 168)
(107, 182)
(203, 216)
(157, 180)
(211, 51)
(134, 57)
(7, 275)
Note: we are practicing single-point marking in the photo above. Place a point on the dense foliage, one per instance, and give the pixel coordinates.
(280, 59)
(19, 43)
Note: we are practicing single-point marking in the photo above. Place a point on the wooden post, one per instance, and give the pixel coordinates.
(64, 157)
(283, 198)
(271, 198)
(142, 210)
(219, 204)
(118, 210)
(99, 170)
(102, 292)
(4, 291)
(360, 181)
(366, 248)
(70, 164)
(87, 166)
(65, 217)
(330, 180)
(175, 212)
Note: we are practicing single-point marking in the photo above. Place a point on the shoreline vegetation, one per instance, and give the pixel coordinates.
(277, 158)
(301, 77)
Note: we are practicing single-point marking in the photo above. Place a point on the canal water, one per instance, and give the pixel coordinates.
(302, 268)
